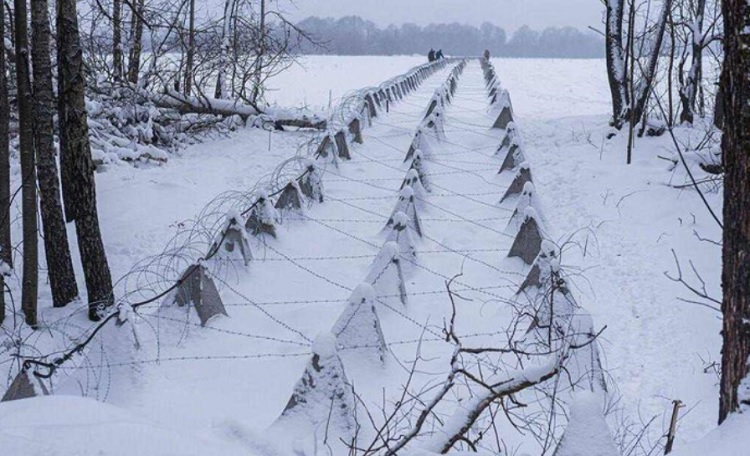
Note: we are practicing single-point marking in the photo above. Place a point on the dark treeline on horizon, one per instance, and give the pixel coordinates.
(353, 35)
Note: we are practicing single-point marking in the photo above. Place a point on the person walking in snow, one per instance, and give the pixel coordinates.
(439, 54)
(431, 55)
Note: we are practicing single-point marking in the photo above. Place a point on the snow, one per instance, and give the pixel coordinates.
(216, 390)
(66, 425)
(587, 433)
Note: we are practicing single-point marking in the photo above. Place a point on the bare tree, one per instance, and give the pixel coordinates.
(616, 65)
(78, 183)
(6, 255)
(117, 58)
(57, 251)
(28, 167)
(136, 42)
(735, 383)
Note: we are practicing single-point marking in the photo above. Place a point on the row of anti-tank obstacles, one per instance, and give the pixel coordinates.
(544, 280)
(557, 315)
(324, 394)
(196, 287)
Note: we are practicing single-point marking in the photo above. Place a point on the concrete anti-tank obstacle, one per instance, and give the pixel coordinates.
(412, 180)
(358, 327)
(326, 147)
(24, 386)
(290, 197)
(407, 206)
(387, 276)
(401, 235)
(372, 111)
(587, 428)
(528, 241)
(198, 288)
(263, 217)
(323, 396)
(341, 145)
(232, 242)
(526, 199)
(355, 128)
(516, 187)
(585, 364)
(418, 164)
(514, 158)
(545, 264)
(311, 183)
(505, 117)
(508, 139)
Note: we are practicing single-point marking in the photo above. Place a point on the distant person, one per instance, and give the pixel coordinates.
(439, 54)
(431, 55)
(486, 54)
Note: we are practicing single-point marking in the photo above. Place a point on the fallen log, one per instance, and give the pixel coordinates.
(205, 105)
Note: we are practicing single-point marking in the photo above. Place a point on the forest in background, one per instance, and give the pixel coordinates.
(353, 35)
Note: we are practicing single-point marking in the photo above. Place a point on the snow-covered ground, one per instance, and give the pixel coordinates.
(224, 385)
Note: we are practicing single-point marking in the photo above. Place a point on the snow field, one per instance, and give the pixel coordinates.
(630, 219)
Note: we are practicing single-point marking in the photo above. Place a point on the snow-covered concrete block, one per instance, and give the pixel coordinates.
(519, 181)
(358, 327)
(406, 205)
(311, 183)
(290, 197)
(24, 386)
(355, 128)
(232, 242)
(196, 287)
(342, 147)
(401, 234)
(528, 241)
(263, 216)
(323, 396)
(387, 277)
(587, 433)
(503, 119)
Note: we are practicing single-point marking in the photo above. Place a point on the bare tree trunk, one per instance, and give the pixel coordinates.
(221, 83)
(188, 83)
(6, 255)
(258, 76)
(78, 183)
(59, 264)
(28, 169)
(689, 91)
(136, 45)
(735, 389)
(117, 39)
(649, 73)
(616, 60)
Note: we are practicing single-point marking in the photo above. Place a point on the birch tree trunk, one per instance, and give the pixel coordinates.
(6, 255)
(689, 91)
(29, 289)
(78, 184)
(616, 60)
(57, 251)
(226, 35)
(735, 384)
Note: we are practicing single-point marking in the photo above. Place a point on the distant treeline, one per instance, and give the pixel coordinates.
(353, 35)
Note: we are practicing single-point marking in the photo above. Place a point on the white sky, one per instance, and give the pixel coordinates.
(509, 14)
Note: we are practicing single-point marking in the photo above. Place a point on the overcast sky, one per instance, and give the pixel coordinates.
(509, 14)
